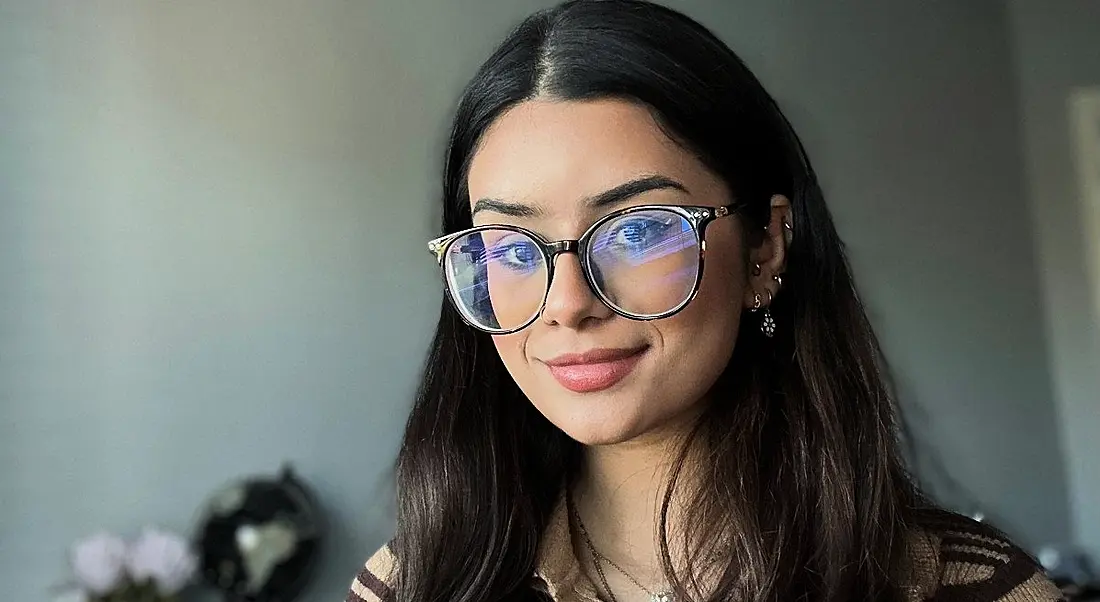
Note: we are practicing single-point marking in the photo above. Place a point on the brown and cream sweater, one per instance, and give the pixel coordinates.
(952, 559)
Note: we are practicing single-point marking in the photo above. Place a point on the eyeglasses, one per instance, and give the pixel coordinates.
(644, 262)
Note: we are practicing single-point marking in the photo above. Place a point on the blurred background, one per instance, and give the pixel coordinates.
(213, 217)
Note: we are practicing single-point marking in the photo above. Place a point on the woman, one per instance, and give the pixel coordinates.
(608, 412)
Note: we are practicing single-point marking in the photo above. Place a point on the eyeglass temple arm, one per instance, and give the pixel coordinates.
(732, 208)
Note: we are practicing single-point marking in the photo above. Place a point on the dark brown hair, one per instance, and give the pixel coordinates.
(801, 481)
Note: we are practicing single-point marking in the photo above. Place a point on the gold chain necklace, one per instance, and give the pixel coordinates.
(660, 596)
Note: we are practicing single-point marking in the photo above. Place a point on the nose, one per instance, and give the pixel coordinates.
(570, 300)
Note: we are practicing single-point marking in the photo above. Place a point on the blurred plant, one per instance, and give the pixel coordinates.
(155, 567)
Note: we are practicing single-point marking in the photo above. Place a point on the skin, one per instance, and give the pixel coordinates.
(544, 159)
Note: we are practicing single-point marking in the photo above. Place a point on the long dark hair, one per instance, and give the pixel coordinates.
(803, 482)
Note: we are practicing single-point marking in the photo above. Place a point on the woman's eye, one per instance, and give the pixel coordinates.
(517, 255)
(638, 234)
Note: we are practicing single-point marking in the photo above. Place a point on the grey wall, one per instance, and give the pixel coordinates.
(213, 218)
(1058, 50)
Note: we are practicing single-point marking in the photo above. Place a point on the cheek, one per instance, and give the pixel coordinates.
(654, 285)
(515, 297)
(722, 288)
(724, 281)
(511, 347)
(716, 309)
(700, 339)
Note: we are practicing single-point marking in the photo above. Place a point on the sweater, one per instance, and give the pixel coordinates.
(951, 558)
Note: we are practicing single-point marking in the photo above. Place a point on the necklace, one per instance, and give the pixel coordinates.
(597, 557)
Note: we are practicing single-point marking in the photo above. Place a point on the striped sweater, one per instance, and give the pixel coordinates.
(951, 559)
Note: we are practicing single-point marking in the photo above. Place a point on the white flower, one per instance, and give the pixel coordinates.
(98, 562)
(163, 557)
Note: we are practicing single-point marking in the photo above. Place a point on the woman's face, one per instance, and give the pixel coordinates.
(549, 157)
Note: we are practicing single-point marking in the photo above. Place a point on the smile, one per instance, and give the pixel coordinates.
(594, 370)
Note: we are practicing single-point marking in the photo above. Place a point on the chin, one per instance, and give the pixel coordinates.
(596, 435)
(591, 421)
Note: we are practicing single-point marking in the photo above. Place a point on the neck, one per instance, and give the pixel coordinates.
(619, 496)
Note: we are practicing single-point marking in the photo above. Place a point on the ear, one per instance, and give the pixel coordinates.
(768, 261)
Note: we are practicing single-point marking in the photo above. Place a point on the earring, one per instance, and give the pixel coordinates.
(767, 324)
(756, 269)
(778, 280)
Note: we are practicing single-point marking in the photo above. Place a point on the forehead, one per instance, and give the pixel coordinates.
(554, 153)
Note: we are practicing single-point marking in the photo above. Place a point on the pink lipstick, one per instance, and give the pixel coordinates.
(594, 370)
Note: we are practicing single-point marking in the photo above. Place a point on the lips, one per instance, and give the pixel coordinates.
(594, 370)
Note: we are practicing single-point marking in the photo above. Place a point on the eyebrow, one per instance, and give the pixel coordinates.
(613, 196)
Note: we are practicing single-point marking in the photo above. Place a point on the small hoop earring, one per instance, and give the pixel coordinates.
(768, 292)
(778, 279)
(767, 324)
(756, 269)
(787, 226)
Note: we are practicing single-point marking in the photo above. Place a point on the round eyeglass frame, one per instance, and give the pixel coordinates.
(699, 217)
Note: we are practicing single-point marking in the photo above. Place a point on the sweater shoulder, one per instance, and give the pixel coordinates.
(374, 581)
(978, 563)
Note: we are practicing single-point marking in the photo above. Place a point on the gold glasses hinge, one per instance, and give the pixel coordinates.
(435, 247)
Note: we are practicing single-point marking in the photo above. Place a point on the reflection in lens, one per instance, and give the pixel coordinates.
(497, 277)
(647, 261)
